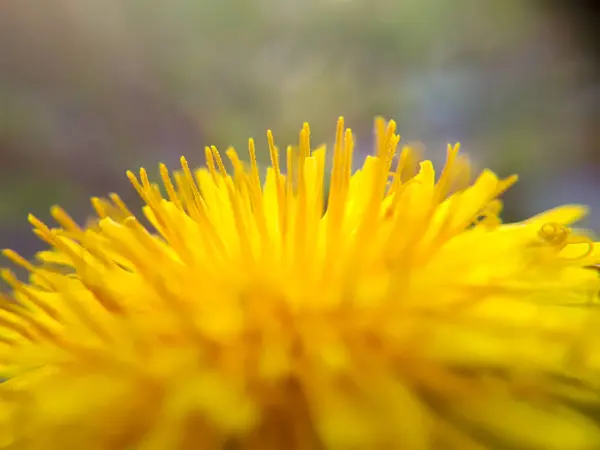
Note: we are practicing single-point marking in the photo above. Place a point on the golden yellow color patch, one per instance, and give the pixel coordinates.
(402, 315)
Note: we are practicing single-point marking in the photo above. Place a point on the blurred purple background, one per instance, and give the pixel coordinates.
(90, 88)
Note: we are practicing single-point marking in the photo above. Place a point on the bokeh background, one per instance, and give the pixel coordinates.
(90, 88)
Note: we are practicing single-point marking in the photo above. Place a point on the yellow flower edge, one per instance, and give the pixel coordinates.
(401, 315)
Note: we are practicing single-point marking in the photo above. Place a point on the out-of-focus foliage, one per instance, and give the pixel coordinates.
(90, 88)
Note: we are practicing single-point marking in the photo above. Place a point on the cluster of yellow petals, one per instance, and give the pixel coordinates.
(395, 311)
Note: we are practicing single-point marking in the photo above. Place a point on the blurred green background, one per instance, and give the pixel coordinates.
(90, 88)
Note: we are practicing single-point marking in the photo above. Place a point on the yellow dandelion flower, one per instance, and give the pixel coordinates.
(401, 315)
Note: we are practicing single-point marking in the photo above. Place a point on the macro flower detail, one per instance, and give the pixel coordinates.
(396, 311)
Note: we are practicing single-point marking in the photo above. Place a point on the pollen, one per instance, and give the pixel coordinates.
(238, 311)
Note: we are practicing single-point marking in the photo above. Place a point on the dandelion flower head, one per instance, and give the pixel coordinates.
(395, 312)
